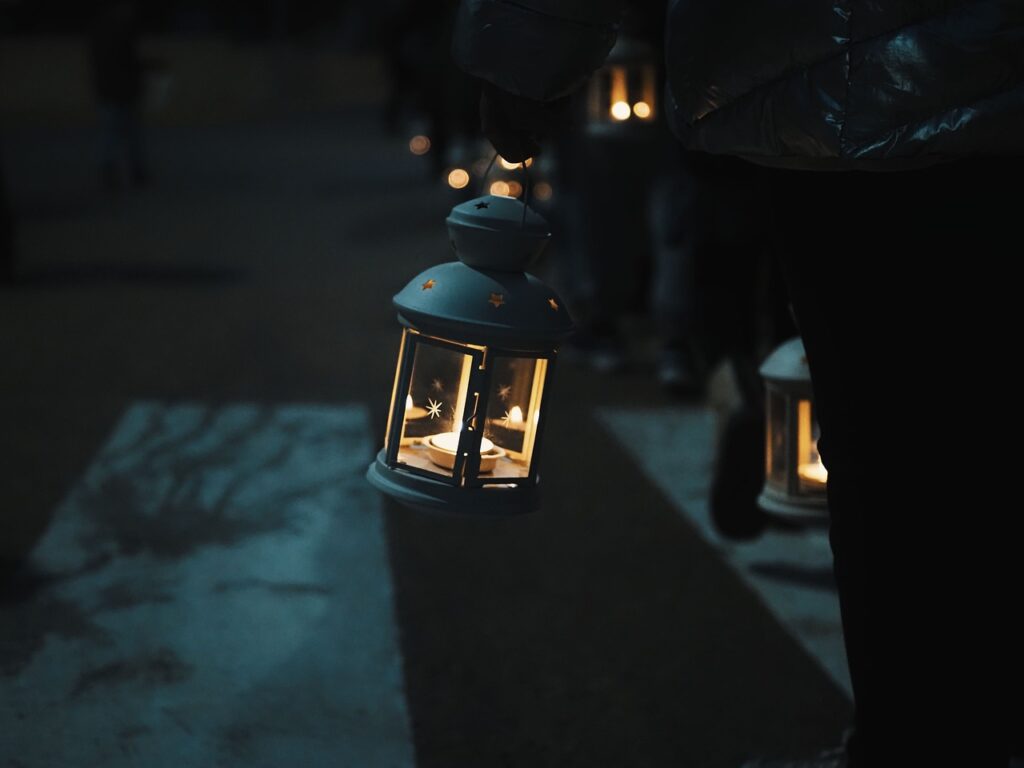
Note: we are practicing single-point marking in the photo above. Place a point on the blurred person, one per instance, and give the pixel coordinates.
(118, 72)
(629, 232)
(606, 185)
(644, 225)
(884, 134)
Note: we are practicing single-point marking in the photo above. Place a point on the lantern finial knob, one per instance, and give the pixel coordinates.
(492, 233)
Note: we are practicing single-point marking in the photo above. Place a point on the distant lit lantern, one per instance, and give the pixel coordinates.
(419, 144)
(794, 475)
(458, 178)
(501, 188)
(622, 96)
(477, 355)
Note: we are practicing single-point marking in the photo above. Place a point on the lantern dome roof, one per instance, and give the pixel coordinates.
(497, 232)
(490, 307)
(788, 363)
(486, 297)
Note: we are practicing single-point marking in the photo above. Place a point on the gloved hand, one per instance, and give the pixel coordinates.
(516, 125)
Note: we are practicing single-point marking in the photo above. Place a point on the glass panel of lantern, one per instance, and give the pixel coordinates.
(811, 473)
(513, 414)
(438, 396)
(432, 406)
(795, 478)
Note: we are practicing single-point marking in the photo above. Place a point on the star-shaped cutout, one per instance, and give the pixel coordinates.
(434, 408)
(482, 204)
(497, 299)
(505, 393)
(429, 284)
(553, 304)
(437, 385)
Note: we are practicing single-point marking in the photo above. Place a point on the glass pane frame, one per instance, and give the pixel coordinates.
(466, 471)
(794, 448)
(811, 475)
(412, 341)
(478, 479)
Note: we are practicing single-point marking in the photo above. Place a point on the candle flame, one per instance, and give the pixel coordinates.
(408, 402)
(814, 472)
(620, 110)
(515, 416)
(619, 89)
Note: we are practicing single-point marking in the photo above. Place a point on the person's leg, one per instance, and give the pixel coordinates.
(897, 287)
(673, 288)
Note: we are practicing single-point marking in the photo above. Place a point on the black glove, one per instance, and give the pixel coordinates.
(516, 125)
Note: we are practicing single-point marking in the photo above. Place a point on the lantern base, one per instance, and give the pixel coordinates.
(423, 493)
(807, 510)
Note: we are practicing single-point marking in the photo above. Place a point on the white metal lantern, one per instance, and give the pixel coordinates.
(622, 96)
(795, 478)
(476, 361)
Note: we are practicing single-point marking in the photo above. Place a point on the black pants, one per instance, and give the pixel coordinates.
(903, 290)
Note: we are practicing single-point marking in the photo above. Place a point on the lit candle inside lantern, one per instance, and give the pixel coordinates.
(813, 472)
(620, 109)
(449, 441)
(413, 411)
(514, 419)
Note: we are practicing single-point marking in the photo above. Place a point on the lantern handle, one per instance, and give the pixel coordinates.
(526, 192)
(526, 186)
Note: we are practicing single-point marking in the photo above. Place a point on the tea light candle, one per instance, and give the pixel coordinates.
(813, 473)
(449, 441)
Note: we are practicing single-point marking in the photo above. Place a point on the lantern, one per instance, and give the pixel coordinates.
(622, 95)
(794, 475)
(477, 356)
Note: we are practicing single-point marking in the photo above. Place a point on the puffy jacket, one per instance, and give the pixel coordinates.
(874, 84)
